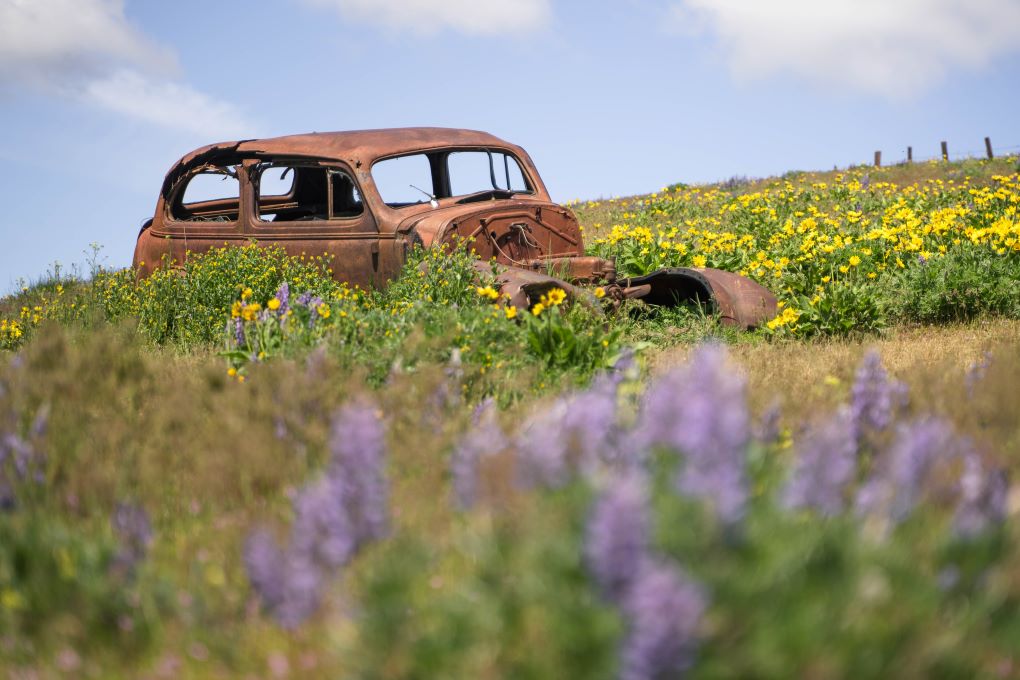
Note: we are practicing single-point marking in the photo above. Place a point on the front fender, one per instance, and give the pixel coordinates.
(738, 300)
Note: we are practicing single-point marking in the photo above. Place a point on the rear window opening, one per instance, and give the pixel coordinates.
(304, 192)
(211, 194)
(417, 178)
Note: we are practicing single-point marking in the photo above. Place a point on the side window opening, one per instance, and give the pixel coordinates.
(212, 194)
(304, 192)
(396, 179)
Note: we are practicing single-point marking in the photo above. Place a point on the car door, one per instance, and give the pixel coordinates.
(314, 207)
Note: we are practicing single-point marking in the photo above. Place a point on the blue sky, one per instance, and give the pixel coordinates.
(100, 97)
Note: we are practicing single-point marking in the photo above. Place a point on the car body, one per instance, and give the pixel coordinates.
(366, 198)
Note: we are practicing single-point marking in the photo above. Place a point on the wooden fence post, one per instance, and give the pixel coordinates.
(878, 159)
(910, 154)
(988, 148)
(945, 151)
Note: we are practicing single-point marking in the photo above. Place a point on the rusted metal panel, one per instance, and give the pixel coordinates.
(738, 300)
(522, 288)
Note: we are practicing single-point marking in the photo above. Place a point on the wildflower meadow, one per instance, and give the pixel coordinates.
(241, 467)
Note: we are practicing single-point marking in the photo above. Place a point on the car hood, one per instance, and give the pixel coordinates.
(512, 231)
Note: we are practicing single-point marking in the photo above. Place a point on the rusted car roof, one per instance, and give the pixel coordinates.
(365, 146)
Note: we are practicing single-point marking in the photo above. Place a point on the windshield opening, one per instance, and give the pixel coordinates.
(419, 178)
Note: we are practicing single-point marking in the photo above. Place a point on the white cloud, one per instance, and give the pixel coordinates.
(46, 40)
(87, 50)
(166, 104)
(475, 17)
(895, 48)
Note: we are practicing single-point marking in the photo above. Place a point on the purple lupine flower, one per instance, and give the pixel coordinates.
(618, 534)
(131, 524)
(874, 397)
(826, 463)
(40, 422)
(901, 473)
(624, 366)
(700, 411)
(928, 457)
(577, 432)
(20, 458)
(766, 430)
(663, 610)
(334, 517)
(358, 445)
(485, 438)
(983, 497)
(302, 590)
(322, 530)
(283, 295)
(541, 446)
(314, 302)
(288, 583)
(239, 332)
(264, 562)
(305, 298)
(590, 425)
(948, 578)
(22, 454)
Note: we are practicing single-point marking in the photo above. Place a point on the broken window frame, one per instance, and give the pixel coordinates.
(329, 167)
(206, 208)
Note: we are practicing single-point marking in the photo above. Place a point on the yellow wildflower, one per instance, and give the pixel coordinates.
(487, 292)
(556, 296)
(249, 311)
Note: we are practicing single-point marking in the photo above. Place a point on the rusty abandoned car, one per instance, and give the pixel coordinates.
(366, 198)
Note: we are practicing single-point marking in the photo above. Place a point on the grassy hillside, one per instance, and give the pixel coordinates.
(252, 471)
